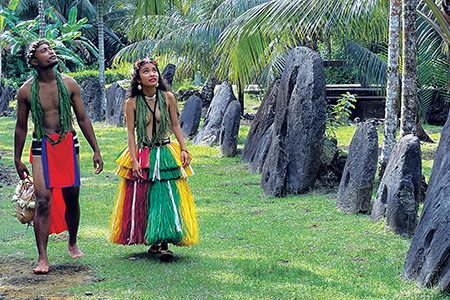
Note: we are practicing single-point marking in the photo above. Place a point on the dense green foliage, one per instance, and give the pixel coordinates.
(73, 49)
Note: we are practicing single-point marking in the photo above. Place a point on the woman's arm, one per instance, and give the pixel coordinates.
(172, 104)
(130, 109)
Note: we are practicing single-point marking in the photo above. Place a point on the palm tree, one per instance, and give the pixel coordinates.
(446, 9)
(390, 118)
(184, 32)
(41, 18)
(101, 51)
(27, 10)
(409, 86)
(245, 41)
(255, 41)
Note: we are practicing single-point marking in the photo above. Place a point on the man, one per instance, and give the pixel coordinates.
(51, 97)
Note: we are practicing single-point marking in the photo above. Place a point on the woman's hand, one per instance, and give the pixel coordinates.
(137, 171)
(185, 160)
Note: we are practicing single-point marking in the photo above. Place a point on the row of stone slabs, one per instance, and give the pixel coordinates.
(398, 197)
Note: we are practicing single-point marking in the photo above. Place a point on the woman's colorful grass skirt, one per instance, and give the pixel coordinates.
(159, 208)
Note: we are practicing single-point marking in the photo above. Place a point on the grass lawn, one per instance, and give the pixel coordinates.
(252, 246)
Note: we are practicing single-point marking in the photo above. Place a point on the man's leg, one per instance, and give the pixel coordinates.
(71, 196)
(41, 215)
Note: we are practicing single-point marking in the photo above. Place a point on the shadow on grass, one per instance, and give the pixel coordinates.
(239, 278)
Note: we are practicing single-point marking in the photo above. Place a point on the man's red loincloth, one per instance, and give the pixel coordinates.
(61, 170)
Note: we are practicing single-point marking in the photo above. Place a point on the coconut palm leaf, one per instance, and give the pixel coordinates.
(189, 36)
(289, 24)
(432, 67)
(370, 67)
(134, 51)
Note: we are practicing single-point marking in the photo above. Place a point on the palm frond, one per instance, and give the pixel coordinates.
(244, 46)
(370, 66)
(134, 51)
(432, 66)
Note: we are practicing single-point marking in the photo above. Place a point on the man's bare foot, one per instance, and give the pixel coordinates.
(75, 252)
(42, 267)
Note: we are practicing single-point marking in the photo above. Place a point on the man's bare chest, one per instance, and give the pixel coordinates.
(49, 97)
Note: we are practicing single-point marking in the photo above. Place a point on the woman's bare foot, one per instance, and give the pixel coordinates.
(42, 267)
(75, 252)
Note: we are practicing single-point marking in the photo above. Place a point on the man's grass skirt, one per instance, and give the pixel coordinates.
(159, 208)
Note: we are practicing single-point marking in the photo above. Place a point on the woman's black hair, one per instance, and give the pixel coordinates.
(133, 90)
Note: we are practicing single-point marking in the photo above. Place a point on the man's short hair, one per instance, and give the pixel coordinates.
(33, 47)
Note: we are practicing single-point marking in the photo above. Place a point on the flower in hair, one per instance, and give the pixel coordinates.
(146, 60)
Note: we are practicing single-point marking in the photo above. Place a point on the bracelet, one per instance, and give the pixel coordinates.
(185, 150)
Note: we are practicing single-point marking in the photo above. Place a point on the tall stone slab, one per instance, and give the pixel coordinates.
(399, 193)
(229, 131)
(190, 116)
(259, 136)
(428, 258)
(209, 133)
(355, 188)
(169, 73)
(91, 97)
(115, 101)
(293, 159)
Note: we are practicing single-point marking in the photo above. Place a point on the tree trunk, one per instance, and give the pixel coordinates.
(392, 92)
(448, 63)
(409, 86)
(446, 9)
(241, 96)
(101, 52)
(41, 19)
(1, 62)
(329, 47)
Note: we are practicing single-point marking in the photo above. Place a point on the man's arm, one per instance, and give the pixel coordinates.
(20, 133)
(85, 123)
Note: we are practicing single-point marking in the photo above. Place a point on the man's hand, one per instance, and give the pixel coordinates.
(22, 170)
(98, 162)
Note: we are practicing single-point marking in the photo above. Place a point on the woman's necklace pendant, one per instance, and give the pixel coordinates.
(150, 97)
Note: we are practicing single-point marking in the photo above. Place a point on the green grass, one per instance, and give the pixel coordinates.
(252, 246)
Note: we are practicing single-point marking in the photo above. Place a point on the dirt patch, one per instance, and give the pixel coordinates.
(18, 282)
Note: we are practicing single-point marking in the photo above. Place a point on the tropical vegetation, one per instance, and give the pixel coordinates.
(245, 41)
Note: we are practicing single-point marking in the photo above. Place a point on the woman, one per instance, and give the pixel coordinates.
(154, 204)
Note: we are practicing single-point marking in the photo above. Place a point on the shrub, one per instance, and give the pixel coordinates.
(111, 76)
(339, 113)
